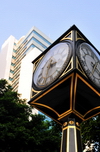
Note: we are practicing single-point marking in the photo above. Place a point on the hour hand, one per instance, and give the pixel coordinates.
(52, 63)
(98, 71)
(95, 68)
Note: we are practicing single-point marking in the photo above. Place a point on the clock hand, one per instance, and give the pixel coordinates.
(48, 67)
(94, 67)
(98, 72)
(46, 70)
(51, 64)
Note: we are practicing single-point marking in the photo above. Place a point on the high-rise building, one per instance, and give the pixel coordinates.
(16, 58)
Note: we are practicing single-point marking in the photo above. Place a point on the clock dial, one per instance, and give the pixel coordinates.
(52, 65)
(90, 62)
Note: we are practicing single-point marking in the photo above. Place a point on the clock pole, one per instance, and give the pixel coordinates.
(71, 137)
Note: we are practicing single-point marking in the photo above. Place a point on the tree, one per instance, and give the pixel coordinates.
(90, 131)
(46, 134)
(18, 133)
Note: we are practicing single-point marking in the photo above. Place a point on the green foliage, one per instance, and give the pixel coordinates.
(18, 133)
(90, 130)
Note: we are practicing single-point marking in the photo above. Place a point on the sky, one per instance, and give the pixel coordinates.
(52, 17)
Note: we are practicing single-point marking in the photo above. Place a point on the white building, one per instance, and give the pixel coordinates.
(16, 58)
(6, 54)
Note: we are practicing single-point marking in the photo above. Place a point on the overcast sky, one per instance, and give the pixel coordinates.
(52, 17)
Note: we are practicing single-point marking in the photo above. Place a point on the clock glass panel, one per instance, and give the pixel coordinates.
(90, 62)
(52, 65)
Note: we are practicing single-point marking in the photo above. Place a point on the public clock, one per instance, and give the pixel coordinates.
(90, 62)
(52, 65)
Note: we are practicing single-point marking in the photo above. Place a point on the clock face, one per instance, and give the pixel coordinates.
(52, 65)
(90, 62)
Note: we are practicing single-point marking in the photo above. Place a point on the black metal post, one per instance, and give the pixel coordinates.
(71, 137)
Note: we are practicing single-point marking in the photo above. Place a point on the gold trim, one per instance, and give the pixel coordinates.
(46, 114)
(92, 110)
(67, 140)
(74, 127)
(71, 107)
(78, 38)
(38, 61)
(71, 92)
(35, 64)
(67, 70)
(78, 114)
(78, 76)
(59, 115)
(82, 116)
(64, 114)
(65, 124)
(92, 116)
(47, 108)
(71, 122)
(71, 75)
(79, 65)
(35, 91)
(77, 123)
(66, 37)
(75, 89)
(75, 137)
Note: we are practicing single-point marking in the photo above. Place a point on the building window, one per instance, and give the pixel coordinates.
(11, 71)
(39, 43)
(12, 64)
(30, 47)
(13, 57)
(41, 37)
(10, 78)
(14, 50)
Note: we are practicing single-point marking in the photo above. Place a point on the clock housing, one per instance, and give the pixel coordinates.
(75, 92)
